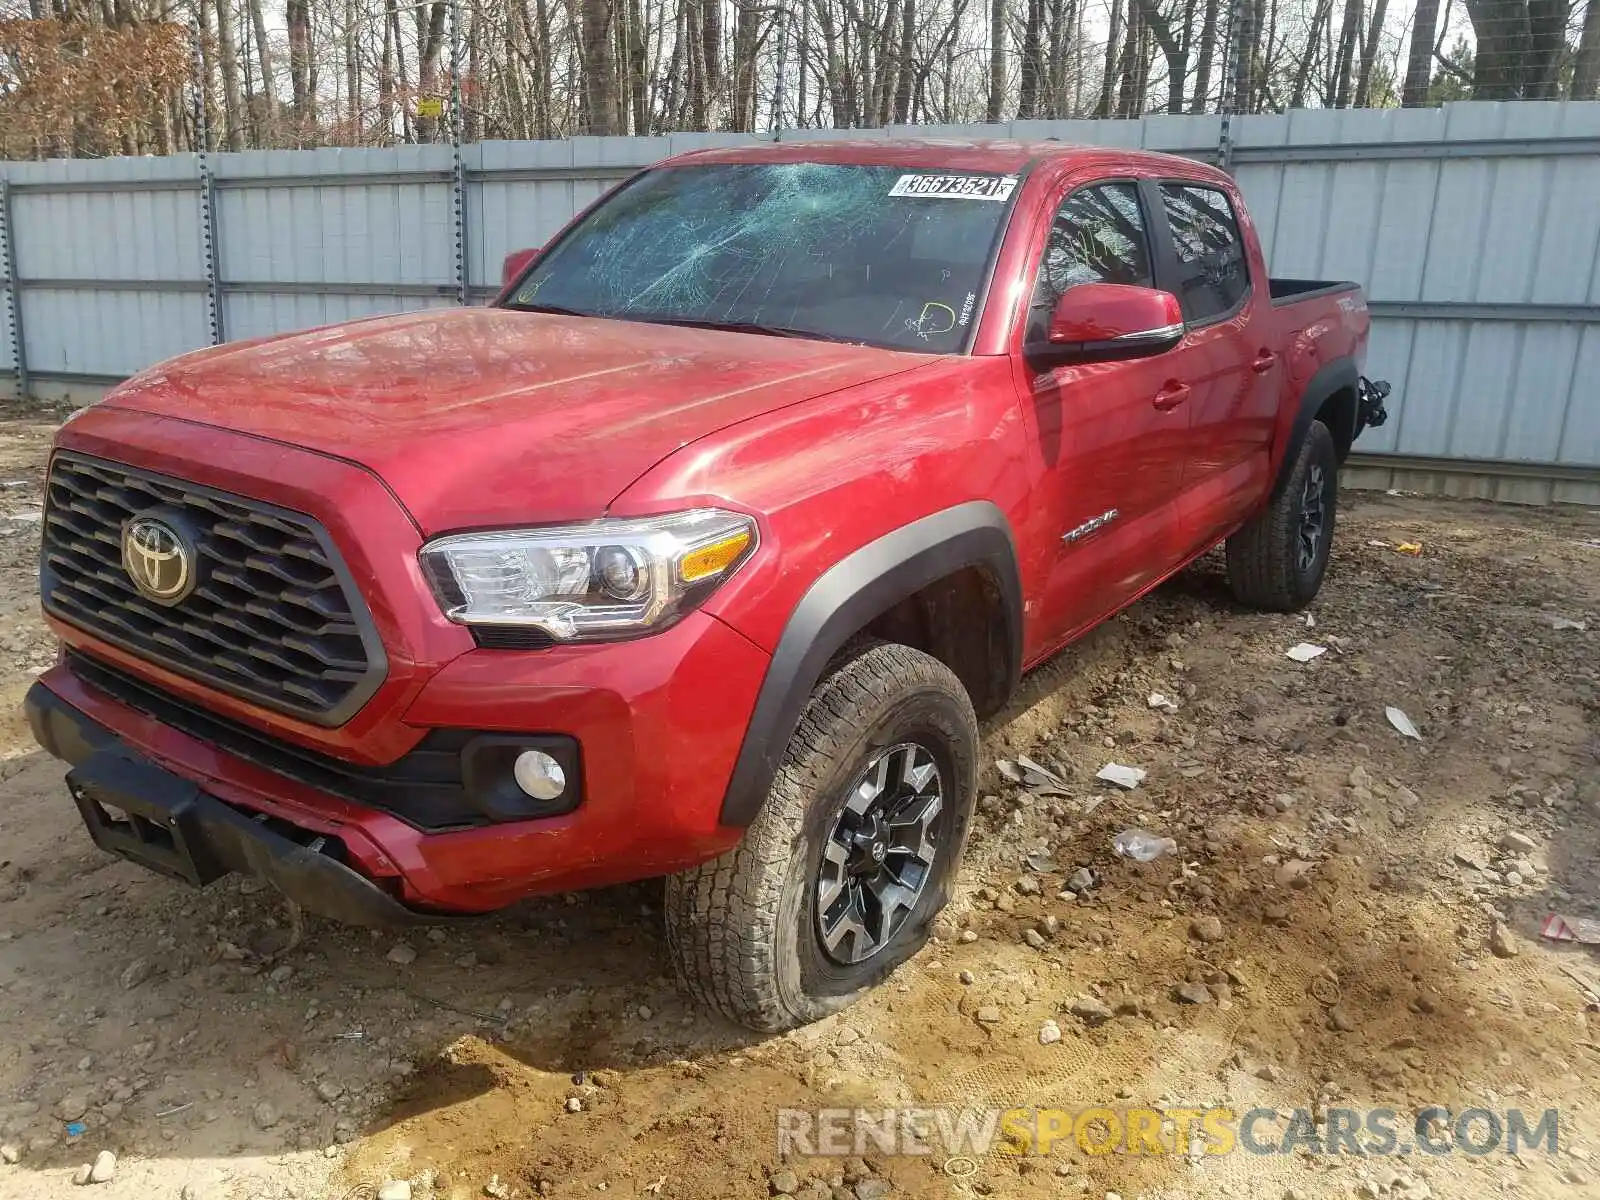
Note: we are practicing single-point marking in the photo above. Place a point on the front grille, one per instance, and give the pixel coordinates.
(273, 619)
(423, 788)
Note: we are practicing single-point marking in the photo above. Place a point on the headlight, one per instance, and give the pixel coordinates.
(606, 579)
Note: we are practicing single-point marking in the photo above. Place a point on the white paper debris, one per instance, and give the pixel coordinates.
(1560, 623)
(1158, 700)
(1400, 721)
(1128, 777)
(1311, 621)
(1305, 651)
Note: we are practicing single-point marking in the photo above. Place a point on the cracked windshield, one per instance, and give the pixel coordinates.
(887, 256)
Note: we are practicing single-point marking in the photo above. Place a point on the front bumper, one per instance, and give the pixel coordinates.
(146, 814)
(659, 722)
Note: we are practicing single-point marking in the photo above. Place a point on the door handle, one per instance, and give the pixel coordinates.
(1264, 362)
(1172, 395)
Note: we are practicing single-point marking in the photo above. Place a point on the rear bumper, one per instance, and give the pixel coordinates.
(159, 820)
(659, 723)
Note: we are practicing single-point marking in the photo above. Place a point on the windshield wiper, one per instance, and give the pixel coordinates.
(743, 327)
(553, 309)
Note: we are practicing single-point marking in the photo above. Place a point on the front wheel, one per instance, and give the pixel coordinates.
(840, 876)
(1278, 560)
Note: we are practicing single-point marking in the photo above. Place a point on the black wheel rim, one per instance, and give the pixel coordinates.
(880, 853)
(1313, 520)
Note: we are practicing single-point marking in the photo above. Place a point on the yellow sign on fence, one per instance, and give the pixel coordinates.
(430, 106)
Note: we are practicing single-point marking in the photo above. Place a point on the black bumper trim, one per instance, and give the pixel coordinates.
(139, 810)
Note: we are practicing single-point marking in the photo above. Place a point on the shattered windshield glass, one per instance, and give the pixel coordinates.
(886, 256)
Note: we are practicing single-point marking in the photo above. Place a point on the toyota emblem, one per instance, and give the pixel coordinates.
(158, 559)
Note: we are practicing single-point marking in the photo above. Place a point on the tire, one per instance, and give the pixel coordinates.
(1271, 566)
(744, 930)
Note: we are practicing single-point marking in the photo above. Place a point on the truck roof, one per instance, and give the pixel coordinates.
(951, 154)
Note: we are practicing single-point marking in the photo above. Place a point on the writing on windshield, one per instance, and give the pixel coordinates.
(882, 255)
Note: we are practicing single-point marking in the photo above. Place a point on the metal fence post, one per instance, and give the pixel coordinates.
(208, 202)
(19, 351)
(458, 169)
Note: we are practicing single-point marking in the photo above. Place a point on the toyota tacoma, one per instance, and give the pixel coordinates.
(698, 553)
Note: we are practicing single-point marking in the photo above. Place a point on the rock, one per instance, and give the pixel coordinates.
(1469, 856)
(872, 1189)
(1206, 929)
(395, 1189)
(1269, 1072)
(264, 1115)
(104, 1169)
(496, 1189)
(645, 1012)
(328, 1091)
(1193, 993)
(1090, 1011)
(1513, 879)
(1500, 943)
(1081, 880)
(1027, 886)
(11, 1153)
(574, 1105)
(784, 1182)
(136, 973)
(1049, 1033)
(967, 978)
(1360, 777)
(1283, 802)
(1517, 843)
(402, 954)
(1035, 939)
(1292, 873)
(72, 1106)
(967, 937)
(81, 1175)
(1341, 1020)
(281, 974)
(1276, 914)
(989, 1014)
(1295, 1193)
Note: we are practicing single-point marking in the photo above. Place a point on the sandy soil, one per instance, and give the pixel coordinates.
(157, 1017)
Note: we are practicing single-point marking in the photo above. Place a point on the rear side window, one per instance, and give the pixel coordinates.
(1098, 236)
(1213, 277)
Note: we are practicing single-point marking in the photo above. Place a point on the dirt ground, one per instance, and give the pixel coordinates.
(1354, 875)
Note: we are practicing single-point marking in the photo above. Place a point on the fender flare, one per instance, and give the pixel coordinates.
(1333, 377)
(846, 598)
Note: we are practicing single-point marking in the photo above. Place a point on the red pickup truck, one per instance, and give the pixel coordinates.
(699, 553)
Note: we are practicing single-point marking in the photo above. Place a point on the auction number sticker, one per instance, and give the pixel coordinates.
(955, 187)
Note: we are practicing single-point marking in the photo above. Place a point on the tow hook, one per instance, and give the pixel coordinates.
(1370, 396)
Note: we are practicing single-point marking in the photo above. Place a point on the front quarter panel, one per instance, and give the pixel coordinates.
(826, 477)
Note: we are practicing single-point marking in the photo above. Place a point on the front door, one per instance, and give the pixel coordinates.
(1112, 436)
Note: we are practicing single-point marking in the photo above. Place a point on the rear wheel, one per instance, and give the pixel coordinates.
(1277, 562)
(840, 876)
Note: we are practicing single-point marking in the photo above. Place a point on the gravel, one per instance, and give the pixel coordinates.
(403, 955)
(1193, 993)
(1049, 1033)
(1090, 1010)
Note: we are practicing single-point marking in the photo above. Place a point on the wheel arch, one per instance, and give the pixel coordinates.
(924, 584)
(1330, 396)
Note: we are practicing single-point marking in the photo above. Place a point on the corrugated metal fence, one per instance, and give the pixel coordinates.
(1474, 228)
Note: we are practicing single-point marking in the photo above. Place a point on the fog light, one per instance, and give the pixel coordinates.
(539, 775)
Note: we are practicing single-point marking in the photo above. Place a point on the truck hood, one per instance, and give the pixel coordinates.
(484, 416)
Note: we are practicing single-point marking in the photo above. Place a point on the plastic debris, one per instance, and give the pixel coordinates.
(76, 1129)
(1040, 779)
(1158, 700)
(1560, 928)
(1400, 721)
(1142, 846)
(1127, 777)
(1378, 544)
(1303, 652)
(1009, 769)
(1412, 548)
(1042, 863)
(1560, 623)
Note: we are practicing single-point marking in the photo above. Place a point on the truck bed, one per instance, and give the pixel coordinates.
(1291, 291)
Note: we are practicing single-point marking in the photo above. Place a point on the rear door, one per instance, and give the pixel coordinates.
(1234, 373)
(1112, 436)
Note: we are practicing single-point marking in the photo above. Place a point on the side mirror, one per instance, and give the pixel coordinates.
(1100, 322)
(515, 263)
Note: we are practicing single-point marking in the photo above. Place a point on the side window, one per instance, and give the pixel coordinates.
(1213, 276)
(1098, 236)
